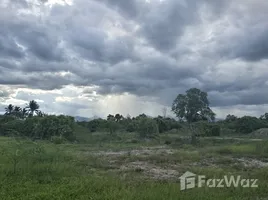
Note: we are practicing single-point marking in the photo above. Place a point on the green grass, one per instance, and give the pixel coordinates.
(72, 171)
(253, 149)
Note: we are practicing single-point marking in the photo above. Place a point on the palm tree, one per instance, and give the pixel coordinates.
(24, 112)
(9, 109)
(32, 107)
(40, 113)
(17, 111)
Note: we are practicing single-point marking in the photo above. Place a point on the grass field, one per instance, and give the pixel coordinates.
(101, 166)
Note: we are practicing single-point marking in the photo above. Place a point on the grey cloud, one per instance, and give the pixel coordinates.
(9, 47)
(136, 86)
(164, 24)
(37, 39)
(45, 47)
(93, 44)
(159, 59)
(130, 8)
(165, 68)
(3, 93)
(35, 65)
(7, 64)
(161, 23)
(41, 80)
(255, 96)
(252, 46)
(255, 47)
(246, 36)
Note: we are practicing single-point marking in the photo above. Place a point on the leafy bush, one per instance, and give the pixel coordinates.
(131, 126)
(112, 126)
(207, 129)
(11, 127)
(147, 127)
(54, 126)
(57, 140)
(166, 124)
(39, 127)
(249, 124)
(212, 130)
(96, 125)
(7, 118)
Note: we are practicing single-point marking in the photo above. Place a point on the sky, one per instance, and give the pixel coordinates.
(99, 57)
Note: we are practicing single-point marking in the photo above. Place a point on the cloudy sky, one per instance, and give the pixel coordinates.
(95, 57)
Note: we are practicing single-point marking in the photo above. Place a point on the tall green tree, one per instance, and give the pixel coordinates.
(33, 107)
(193, 106)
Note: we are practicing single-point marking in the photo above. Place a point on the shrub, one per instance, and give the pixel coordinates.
(207, 129)
(57, 140)
(96, 124)
(249, 124)
(166, 124)
(131, 126)
(44, 127)
(147, 127)
(11, 128)
(212, 130)
(112, 126)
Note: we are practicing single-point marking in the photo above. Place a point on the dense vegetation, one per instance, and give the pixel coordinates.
(32, 123)
(192, 110)
(54, 157)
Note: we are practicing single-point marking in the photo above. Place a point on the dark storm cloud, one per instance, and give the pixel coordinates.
(163, 22)
(254, 96)
(7, 64)
(251, 47)
(156, 49)
(136, 86)
(40, 80)
(244, 32)
(94, 45)
(163, 26)
(44, 46)
(18, 33)
(130, 8)
(9, 47)
(255, 47)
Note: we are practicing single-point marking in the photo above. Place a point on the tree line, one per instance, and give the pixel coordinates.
(192, 110)
(32, 123)
(31, 109)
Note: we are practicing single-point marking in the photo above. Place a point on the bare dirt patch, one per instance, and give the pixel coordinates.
(151, 170)
(137, 152)
(252, 163)
(246, 162)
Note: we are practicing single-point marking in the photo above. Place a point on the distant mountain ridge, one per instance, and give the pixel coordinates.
(81, 119)
(84, 119)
